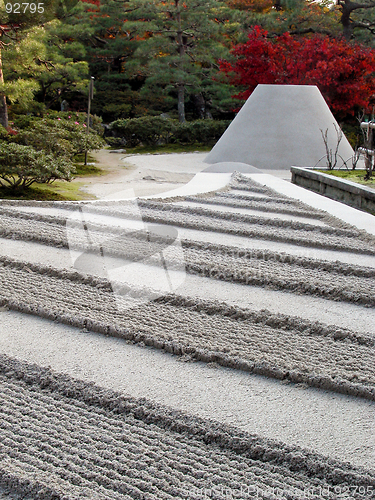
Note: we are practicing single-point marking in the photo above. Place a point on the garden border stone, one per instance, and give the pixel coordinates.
(342, 190)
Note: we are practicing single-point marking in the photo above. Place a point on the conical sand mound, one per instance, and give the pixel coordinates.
(280, 126)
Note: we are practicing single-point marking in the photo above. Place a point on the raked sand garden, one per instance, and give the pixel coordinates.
(216, 345)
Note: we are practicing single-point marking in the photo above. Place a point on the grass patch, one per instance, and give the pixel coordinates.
(352, 175)
(32, 193)
(58, 191)
(82, 170)
(68, 191)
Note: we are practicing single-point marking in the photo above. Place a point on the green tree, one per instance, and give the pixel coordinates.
(43, 63)
(21, 166)
(59, 137)
(179, 45)
(63, 70)
(108, 47)
(298, 17)
(16, 19)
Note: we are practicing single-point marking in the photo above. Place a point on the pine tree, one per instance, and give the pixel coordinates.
(16, 20)
(179, 45)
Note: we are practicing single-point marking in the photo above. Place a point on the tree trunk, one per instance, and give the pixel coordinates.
(181, 103)
(181, 51)
(200, 106)
(347, 28)
(346, 7)
(3, 102)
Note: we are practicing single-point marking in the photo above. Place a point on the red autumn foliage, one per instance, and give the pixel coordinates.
(343, 71)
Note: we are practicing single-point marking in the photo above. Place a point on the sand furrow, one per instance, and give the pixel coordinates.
(263, 213)
(316, 237)
(334, 281)
(277, 230)
(68, 439)
(137, 448)
(242, 217)
(245, 184)
(280, 205)
(270, 345)
(136, 211)
(342, 314)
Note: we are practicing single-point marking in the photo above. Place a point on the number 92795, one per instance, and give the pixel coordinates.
(22, 8)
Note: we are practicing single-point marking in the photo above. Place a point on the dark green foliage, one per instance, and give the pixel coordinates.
(59, 137)
(23, 121)
(200, 131)
(3, 134)
(21, 166)
(148, 130)
(152, 130)
(115, 142)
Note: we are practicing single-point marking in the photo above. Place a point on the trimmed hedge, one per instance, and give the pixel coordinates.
(152, 130)
(200, 131)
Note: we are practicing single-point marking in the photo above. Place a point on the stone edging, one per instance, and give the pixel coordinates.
(342, 190)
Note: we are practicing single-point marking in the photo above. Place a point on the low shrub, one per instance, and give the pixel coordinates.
(148, 130)
(27, 121)
(153, 130)
(23, 121)
(21, 166)
(60, 137)
(200, 131)
(115, 142)
(3, 134)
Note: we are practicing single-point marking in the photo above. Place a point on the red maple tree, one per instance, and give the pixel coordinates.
(343, 71)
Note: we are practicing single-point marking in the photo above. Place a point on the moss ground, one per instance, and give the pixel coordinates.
(352, 175)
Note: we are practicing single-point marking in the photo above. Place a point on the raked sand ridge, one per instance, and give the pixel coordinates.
(277, 344)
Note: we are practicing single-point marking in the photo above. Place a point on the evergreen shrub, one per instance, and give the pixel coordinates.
(153, 130)
(148, 130)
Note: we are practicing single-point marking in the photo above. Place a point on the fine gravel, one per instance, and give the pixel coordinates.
(15, 224)
(277, 346)
(332, 424)
(306, 306)
(64, 438)
(335, 281)
(258, 203)
(219, 207)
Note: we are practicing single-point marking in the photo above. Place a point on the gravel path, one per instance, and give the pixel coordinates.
(332, 424)
(343, 314)
(271, 345)
(104, 445)
(249, 250)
